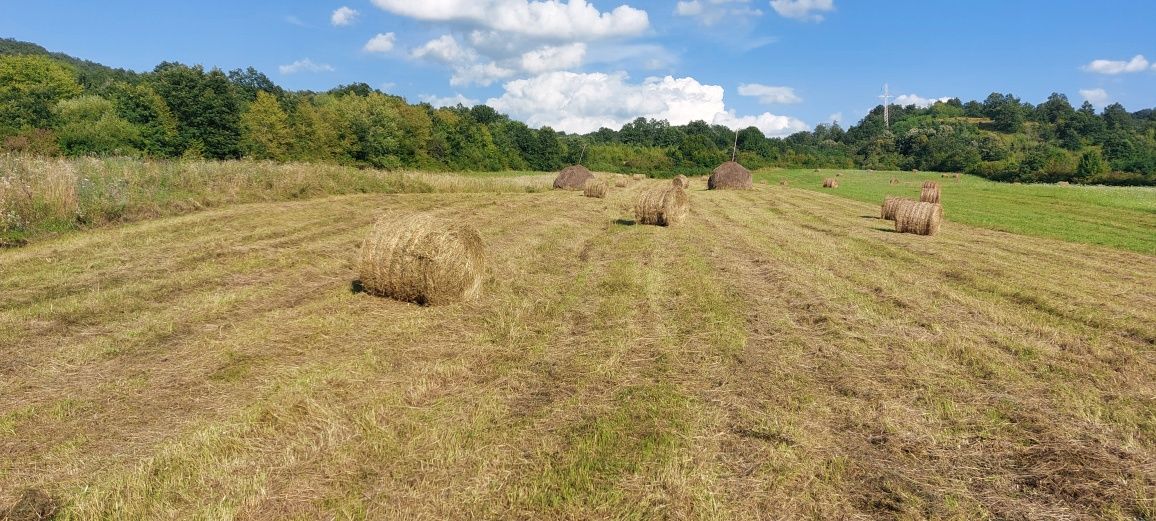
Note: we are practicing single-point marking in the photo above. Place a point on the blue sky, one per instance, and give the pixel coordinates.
(782, 65)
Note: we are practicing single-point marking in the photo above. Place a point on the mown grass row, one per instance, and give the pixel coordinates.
(1117, 217)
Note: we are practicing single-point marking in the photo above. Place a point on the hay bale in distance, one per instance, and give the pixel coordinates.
(918, 218)
(891, 206)
(783, 182)
(596, 188)
(1063, 183)
(893, 181)
(681, 181)
(662, 206)
(730, 176)
(830, 182)
(929, 195)
(422, 259)
(638, 177)
(572, 178)
(620, 182)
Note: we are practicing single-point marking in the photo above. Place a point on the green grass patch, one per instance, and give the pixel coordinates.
(1118, 217)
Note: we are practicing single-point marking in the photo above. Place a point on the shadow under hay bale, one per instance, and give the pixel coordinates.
(596, 188)
(830, 182)
(33, 505)
(681, 181)
(572, 178)
(422, 259)
(662, 206)
(891, 205)
(730, 176)
(918, 218)
(929, 195)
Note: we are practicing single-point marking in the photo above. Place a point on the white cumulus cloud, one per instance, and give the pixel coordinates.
(551, 58)
(449, 101)
(575, 20)
(769, 94)
(584, 102)
(1098, 97)
(806, 10)
(917, 100)
(343, 16)
(1138, 63)
(305, 65)
(382, 43)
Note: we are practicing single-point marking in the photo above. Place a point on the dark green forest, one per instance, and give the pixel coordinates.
(53, 104)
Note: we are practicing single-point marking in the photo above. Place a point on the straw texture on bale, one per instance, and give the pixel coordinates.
(681, 181)
(422, 259)
(891, 206)
(918, 218)
(830, 182)
(730, 176)
(596, 188)
(638, 177)
(573, 178)
(620, 182)
(930, 184)
(662, 206)
(929, 195)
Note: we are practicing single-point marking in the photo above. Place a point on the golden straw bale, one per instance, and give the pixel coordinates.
(596, 188)
(918, 218)
(662, 206)
(422, 259)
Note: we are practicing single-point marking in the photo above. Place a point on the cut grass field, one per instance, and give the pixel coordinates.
(1119, 217)
(782, 354)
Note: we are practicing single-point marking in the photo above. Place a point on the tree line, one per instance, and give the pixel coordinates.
(56, 105)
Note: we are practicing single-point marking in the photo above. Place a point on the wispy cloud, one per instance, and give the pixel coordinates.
(1138, 63)
(381, 43)
(293, 20)
(768, 94)
(305, 65)
(805, 10)
(1098, 97)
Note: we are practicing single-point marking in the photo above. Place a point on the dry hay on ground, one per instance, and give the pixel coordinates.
(422, 259)
(662, 206)
(730, 176)
(572, 178)
(33, 505)
(596, 188)
(891, 205)
(918, 218)
(929, 194)
(681, 181)
(638, 177)
(830, 182)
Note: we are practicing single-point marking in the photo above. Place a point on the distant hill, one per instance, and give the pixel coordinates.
(90, 74)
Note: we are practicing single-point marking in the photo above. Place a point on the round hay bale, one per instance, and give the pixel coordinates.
(891, 206)
(929, 195)
(681, 181)
(730, 176)
(783, 182)
(930, 184)
(33, 505)
(662, 206)
(596, 188)
(893, 181)
(620, 182)
(422, 259)
(572, 178)
(918, 218)
(638, 177)
(1063, 183)
(830, 182)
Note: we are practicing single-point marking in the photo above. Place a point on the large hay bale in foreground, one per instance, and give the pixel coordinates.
(891, 206)
(730, 176)
(830, 182)
(596, 188)
(681, 181)
(572, 178)
(929, 195)
(422, 259)
(918, 218)
(662, 206)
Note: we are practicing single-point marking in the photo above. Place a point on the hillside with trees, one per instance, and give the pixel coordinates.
(53, 104)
